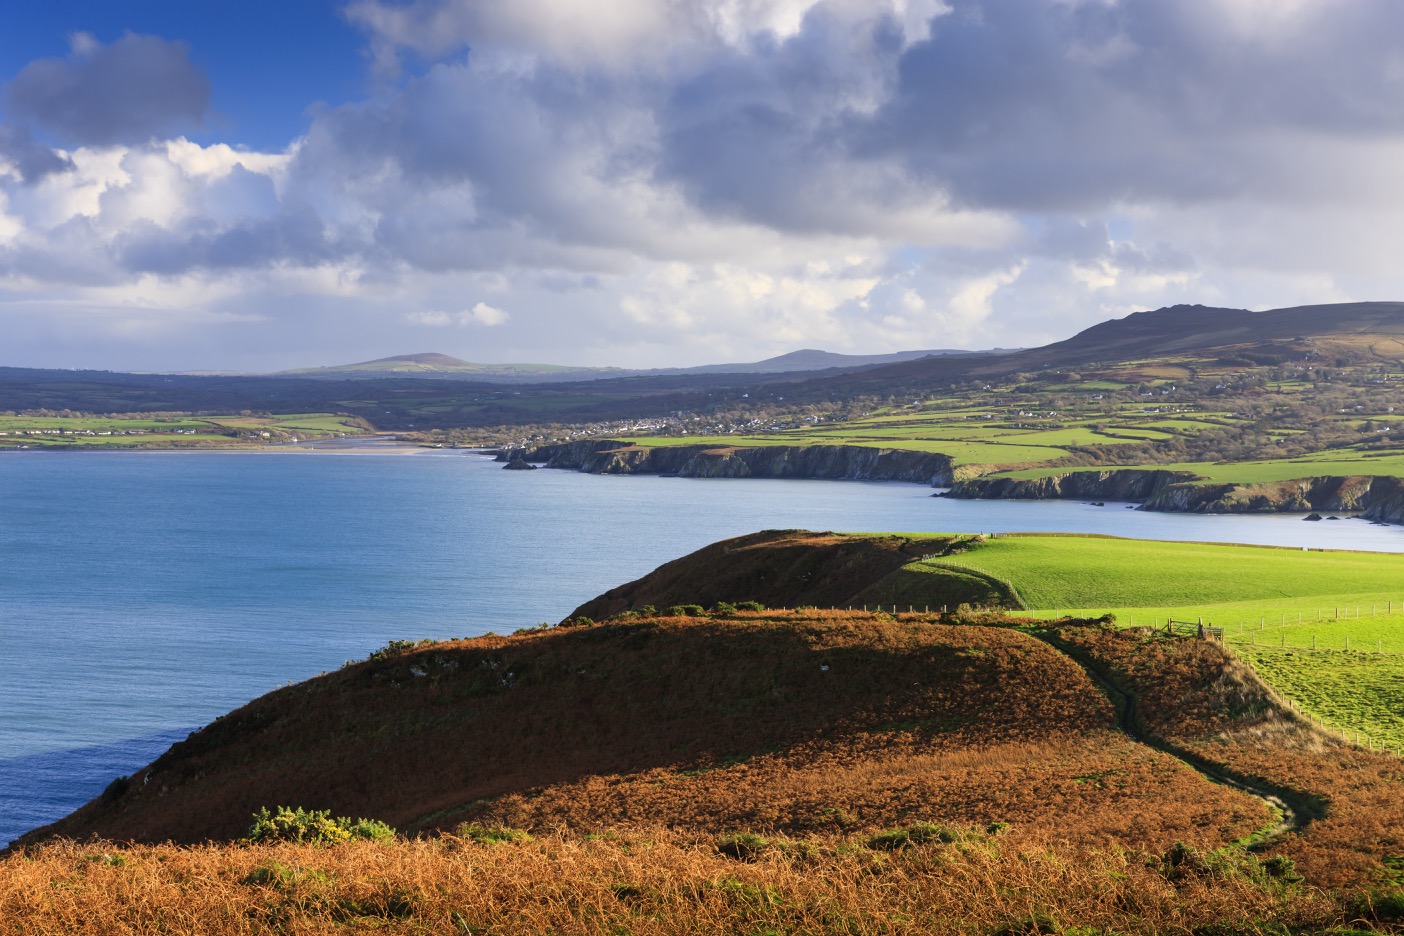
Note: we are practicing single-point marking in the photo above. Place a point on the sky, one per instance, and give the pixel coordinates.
(266, 184)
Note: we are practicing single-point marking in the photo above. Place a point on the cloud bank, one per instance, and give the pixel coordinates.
(673, 183)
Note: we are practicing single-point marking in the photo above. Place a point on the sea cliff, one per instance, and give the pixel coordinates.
(833, 462)
(1373, 497)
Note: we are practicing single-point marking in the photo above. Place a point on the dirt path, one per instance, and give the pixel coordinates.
(1294, 808)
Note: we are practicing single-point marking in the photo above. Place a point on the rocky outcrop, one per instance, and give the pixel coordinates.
(1374, 498)
(1119, 485)
(834, 462)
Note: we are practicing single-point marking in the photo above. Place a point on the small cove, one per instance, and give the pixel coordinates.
(142, 594)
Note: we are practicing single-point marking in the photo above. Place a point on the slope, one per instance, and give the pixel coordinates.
(786, 568)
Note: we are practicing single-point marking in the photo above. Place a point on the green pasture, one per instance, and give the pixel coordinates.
(1359, 694)
(961, 452)
(1320, 464)
(72, 431)
(1061, 572)
(1324, 628)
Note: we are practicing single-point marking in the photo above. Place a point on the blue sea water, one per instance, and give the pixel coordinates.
(143, 594)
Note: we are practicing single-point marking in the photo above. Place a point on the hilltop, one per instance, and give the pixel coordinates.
(443, 365)
(1373, 331)
(790, 769)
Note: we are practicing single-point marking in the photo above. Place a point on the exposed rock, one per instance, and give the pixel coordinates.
(1380, 499)
(835, 462)
(1117, 484)
(1312, 516)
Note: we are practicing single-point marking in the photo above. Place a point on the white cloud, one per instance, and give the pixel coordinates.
(484, 314)
(480, 314)
(702, 179)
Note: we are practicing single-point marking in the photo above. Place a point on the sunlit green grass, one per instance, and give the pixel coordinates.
(1325, 628)
(1358, 694)
(1323, 464)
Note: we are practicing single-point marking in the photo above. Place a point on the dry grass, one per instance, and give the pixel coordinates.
(641, 883)
(1195, 695)
(784, 722)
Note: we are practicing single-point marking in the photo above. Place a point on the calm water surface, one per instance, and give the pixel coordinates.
(142, 594)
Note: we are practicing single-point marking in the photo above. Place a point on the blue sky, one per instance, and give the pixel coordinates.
(258, 185)
(267, 60)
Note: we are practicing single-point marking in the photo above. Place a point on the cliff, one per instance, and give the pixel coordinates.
(1122, 484)
(834, 462)
(1373, 497)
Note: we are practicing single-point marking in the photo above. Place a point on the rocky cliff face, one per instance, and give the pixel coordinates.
(1375, 498)
(1119, 485)
(836, 462)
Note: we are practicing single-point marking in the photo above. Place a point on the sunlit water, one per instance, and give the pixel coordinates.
(142, 594)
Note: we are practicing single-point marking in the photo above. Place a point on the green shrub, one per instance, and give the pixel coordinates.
(749, 606)
(1283, 869)
(919, 834)
(396, 647)
(490, 834)
(687, 610)
(581, 621)
(723, 607)
(648, 611)
(314, 826)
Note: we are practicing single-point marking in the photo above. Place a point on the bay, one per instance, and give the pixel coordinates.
(143, 594)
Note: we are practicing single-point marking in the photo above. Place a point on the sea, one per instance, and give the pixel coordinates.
(142, 594)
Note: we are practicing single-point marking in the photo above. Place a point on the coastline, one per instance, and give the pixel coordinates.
(380, 445)
(1379, 499)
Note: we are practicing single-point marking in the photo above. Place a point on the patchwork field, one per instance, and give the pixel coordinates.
(172, 431)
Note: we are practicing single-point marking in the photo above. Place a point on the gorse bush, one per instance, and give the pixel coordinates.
(396, 647)
(919, 834)
(727, 607)
(313, 826)
(687, 610)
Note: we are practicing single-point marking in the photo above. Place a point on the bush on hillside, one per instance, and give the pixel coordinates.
(313, 826)
(396, 647)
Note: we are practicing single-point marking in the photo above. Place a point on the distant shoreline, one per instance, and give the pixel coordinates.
(382, 445)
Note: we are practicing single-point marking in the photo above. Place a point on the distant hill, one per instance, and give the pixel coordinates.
(1373, 329)
(810, 359)
(443, 365)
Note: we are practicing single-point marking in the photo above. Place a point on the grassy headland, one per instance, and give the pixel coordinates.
(741, 770)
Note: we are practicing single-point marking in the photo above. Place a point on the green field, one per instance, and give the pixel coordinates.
(122, 431)
(1325, 628)
(1359, 694)
(1321, 464)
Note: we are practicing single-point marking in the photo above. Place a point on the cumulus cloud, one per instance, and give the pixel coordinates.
(705, 178)
(27, 157)
(127, 91)
(480, 314)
